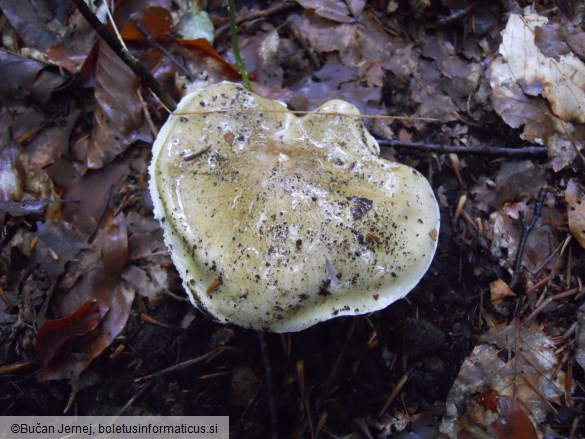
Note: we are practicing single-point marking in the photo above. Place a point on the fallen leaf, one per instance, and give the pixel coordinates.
(26, 207)
(516, 361)
(57, 244)
(118, 121)
(72, 49)
(12, 172)
(155, 20)
(499, 290)
(93, 190)
(34, 22)
(100, 283)
(196, 24)
(201, 48)
(550, 41)
(575, 198)
(356, 6)
(335, 10)
(561, 81)
(580, 338)
(545, 94)
(512, 422)
(21, 78)
(56, 338)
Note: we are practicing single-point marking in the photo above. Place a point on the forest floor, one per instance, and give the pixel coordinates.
(92, 311)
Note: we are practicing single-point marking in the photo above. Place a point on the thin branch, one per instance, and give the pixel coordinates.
(142, 72)
(256, 15)
(526, 229)
(205, 357)
(235, 45)
(489, 150)
(151, 40)
(137, 395)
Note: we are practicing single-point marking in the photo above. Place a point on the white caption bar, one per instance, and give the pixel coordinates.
(120, 427)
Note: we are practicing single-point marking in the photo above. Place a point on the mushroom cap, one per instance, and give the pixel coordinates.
(278, 222)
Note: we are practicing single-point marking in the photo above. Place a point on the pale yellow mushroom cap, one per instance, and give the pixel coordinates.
(278, 222)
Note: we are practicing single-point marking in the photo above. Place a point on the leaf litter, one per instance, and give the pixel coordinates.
(489, 345)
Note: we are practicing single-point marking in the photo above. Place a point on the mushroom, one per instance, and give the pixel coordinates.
(278, 222)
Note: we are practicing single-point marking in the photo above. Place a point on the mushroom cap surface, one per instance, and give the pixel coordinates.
(278, 222)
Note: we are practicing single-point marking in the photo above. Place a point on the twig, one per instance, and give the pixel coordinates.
(142, 72)
(113, 23)
(15, 367)
(269, 386)
(199, 359)
(235, 46)
(490, 150)
(548, 300)
(294, 31)
(526, 229)
(456, 15)
(256, 15)
(156, 44)
(137, 395)
(397, 389)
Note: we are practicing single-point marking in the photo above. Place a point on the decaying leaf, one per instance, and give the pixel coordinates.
(526, 83)
(72, 49)
(101, 285)
(499, 290)
(26, 207)
(12, 172)
(57, 338)
(21, 78)
(57, 244)
(202, 49)
(580, 350)
(505, 231)
(156, 21)
(196, 24)
(512, 421)
(34, 22)
(334, 10)
(118, 121)
(516, 361)
(561, 80)
(575, 198)
(94, 191)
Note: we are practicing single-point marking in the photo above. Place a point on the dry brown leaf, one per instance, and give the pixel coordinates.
(505, 231)
(118, 120)
(525, 84)
(575, 198)
(57, 244)
(516, 361)
(34, 22)
(74, 46)
(93, 190)
(561, 81)
(335, 10)
(202, 49)
(356, 6)
(156, 21)
(56, 339)
(100, 283)
(499, 290)
(512, 421)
